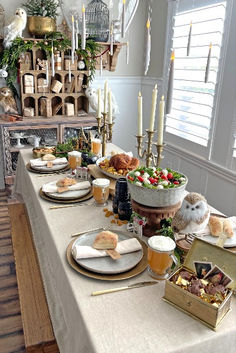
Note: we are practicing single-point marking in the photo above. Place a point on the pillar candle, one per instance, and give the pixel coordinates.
(208, 64)
(161, 121)
(73, 40)
(83, 39)
(53, 62)
(105, 96)
(111, 40)
(123, 20)
(170, 84)
(109, 107)
(140, 114)
(153, 109)
(99, 103)
(189, 38)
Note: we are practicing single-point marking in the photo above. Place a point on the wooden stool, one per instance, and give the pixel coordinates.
(154, 215)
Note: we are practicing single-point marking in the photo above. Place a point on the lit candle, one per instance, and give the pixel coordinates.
(105, 96)
(111, 40)
(53, 62)
(47, 74)
(109, 107)
(101, 65)
(170, 84)
(73, 40)
(161, 121)
(208, 64)
(189, 38)
(76, 34)
(153, 109)
(123, 20)
(127, 53)
(140, 114)
(148, 47)
(83, 39)
(99, 103)
(69, 78)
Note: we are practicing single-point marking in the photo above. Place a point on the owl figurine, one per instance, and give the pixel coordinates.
(15, 27)
(91, 94)
(193, 216)
(7, 101)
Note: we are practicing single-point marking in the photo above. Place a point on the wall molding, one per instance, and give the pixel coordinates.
(130, 80)
(209, 166)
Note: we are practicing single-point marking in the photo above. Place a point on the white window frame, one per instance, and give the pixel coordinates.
(192, 147)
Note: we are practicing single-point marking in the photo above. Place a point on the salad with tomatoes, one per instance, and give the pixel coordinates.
(156, 178)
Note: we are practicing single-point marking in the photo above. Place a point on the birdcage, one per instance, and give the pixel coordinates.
(97, 20)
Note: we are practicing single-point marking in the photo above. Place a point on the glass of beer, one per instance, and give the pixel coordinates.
(161, 256)
(101, 191)
(74, 159)
(95, 145)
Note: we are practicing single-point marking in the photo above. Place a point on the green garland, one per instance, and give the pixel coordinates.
(9, 57)
(44, 8)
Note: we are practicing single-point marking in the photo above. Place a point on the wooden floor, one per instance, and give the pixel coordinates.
(11, 331)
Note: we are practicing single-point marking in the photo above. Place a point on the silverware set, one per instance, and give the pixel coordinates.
(131, 286)
(72, 205)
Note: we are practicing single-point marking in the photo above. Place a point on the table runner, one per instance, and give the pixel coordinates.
(135, 321)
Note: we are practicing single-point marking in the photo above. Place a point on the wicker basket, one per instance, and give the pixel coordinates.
(155, 197)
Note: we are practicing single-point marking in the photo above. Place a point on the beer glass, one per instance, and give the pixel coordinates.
(161, 256)
(95, 145)
(101, 191)
(74, 159)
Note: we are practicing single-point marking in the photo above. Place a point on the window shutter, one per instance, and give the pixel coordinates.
(193, 99)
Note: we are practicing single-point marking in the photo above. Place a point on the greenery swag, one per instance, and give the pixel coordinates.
(44, 8)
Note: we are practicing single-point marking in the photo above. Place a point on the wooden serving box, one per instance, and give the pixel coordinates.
(191, 304)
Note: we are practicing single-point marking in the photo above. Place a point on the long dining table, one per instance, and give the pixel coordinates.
(133, 321)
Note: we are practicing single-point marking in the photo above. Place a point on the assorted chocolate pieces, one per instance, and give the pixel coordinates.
(209, 290)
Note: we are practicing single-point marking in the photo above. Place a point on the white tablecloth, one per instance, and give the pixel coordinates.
(134, 321)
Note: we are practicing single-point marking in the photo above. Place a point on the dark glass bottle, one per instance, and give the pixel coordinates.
(122, 189)
(125, 210)
(115, 204)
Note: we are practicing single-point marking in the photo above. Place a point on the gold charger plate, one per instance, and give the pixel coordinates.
(65, 169)
(79, 199)
(139, 268)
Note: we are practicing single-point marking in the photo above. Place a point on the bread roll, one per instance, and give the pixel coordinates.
(66, 182)
(227, 229)
(48, 157)
(105, 240)
(216, 226)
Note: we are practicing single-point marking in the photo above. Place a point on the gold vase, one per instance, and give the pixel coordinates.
(39, 26)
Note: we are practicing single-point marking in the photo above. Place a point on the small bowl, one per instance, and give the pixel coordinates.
(156, 197)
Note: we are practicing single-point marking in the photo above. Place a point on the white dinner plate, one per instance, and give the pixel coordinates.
(229, 243)
(53, 168)
(68, 195)
(106, 265)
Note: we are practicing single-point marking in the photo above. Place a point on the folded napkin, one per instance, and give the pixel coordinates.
(123, 247)
(52, 187)
(39, 163)
(206, 231)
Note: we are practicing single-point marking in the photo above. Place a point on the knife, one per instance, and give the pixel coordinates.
(131, 286)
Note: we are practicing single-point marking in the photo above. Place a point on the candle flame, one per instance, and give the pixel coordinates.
(139, 94)
(72, 19)
(148, 23)
(172, 55)
(124, 1)
(191, 23)
(162, 98)
(210, 46)
(127, 44)
(155, 87)
(83, 8)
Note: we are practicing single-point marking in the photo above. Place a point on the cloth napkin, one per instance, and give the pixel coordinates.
(123, 247)
(52, 187)
(207, 231)
(39, 163)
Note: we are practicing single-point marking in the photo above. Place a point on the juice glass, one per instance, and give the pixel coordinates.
(101, 191)
(74, 159)
(95, 145)
(161, 256)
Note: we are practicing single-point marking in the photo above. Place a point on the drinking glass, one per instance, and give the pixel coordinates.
(74, 159)
(161, 257)
(95, 145)
(101, 191)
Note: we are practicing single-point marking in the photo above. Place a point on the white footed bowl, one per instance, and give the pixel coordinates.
(155, 197)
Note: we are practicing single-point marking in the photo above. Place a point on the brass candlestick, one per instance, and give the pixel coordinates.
(99, 119)
(147, 152)
(105, 130)
(159, 156)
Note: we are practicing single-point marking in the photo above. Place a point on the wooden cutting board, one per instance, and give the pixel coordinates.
(96, 173)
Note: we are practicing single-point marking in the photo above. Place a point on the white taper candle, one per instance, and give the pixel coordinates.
(140, 114)
(109, 107)
(161, 121)
(153, 109)
(105, 96)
